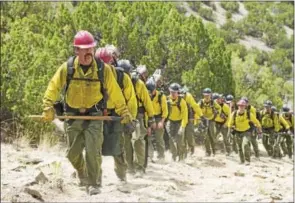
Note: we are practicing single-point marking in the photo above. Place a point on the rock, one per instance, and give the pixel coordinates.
(223, 176)
(276, 197)
(59, 184)
(34, 193)
(30, 183)
(41, 178)
(18, 168)
(31, 161)
(259, 176)
(239, 174)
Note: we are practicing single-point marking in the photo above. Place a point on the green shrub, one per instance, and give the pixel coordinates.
(206, 13)
(230, 6)
(195, 5)
(228, 15)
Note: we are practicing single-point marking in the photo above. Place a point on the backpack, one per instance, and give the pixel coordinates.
(60, 105)
(120, 77)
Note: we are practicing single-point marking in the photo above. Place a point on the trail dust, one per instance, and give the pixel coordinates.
(37, 175)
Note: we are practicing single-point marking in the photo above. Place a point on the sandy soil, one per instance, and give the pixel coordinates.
(198, 179)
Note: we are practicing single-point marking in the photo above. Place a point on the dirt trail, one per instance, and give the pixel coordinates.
(198, 179)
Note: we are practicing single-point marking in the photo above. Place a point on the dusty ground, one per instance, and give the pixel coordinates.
(198, 179)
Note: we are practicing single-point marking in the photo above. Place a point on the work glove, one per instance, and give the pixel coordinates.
(160, 125)
(149, 132)
(130, 127)
(126, 116)
(181, 131)
(48, 114)
(152, 122)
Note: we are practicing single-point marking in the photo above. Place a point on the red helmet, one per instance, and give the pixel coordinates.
(242, 102)
(84, 39)
(104, 54)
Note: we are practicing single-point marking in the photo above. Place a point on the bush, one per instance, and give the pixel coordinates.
(241, 49)
(228, 15)
(230, 6)
(195, 5)
(206, 13)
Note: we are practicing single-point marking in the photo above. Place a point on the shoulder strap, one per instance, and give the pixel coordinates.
(70, 73)
(248, 115)
(178, 103)
(120, 77)
(100, 74)
(212, 103)
(201, 103)
(234, 117)
(160, 100)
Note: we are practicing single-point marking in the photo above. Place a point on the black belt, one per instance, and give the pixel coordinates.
(220, 123)
(158, 116)
(141, 110)
(85, 111)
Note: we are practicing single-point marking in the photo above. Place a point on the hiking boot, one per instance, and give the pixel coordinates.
(227, 154)
(161, 161)
(208, 154)
(93, 190)
(83, 179)
(131, 171)
(139, 174)
(247, 163)
(192, 150)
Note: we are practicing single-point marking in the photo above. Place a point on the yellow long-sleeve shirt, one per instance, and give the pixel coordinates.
(177, 114)
(225, 110)
(160, 109)
(194, 105)
(84, 93)
(144, 98)
(207, 108)
(252, 109)
(289, 117)
(273, 120)
(241, 121)
(128, 93)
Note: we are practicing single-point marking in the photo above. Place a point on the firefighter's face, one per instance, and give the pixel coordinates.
(85, 55)
(173, 94)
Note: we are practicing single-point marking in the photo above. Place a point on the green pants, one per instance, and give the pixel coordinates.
(234, 142)
(176, 141)
(268, 141)
(129, 152)
(224, 131)
(210, 138)
(158, 136)
(244, 140)
(189, 138)
(114, 145)
(278, 139)
(255, 143)
(287, 144)
(135, 146)
(89, 135)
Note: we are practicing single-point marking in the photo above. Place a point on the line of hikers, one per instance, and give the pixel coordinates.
(98, 83)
